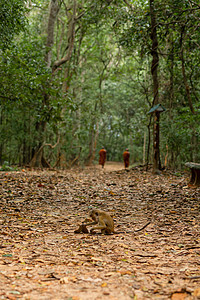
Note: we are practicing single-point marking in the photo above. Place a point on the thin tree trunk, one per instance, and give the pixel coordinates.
(154, 53)
(171, 88)
(144, 148)
(187, 88)
(1, 144)
(149, 142)
(154, 72)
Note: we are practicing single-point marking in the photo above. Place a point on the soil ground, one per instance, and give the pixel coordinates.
(41, 258)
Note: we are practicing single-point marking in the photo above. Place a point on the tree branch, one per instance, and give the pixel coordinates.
(129, 5)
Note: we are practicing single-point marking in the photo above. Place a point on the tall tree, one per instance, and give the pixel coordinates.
(154, 72)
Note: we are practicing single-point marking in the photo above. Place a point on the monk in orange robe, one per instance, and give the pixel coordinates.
(102, 156)
(126, 157)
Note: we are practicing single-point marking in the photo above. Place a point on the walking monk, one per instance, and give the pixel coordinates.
(102, 156)
(126, 156)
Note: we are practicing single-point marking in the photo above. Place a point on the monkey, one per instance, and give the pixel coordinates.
(82, 228)
(103, 220)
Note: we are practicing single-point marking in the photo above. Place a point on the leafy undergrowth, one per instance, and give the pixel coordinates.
(42, 258)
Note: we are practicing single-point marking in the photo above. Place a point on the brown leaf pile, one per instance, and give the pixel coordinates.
(42, 258)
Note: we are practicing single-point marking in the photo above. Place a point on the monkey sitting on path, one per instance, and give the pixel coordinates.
(102, 219)
(104, 222)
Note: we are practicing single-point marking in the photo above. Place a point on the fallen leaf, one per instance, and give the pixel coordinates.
(179, 296)
(196, 292)
(104, 284)
(125, 272)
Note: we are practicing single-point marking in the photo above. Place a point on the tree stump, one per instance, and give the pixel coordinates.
(195, 173)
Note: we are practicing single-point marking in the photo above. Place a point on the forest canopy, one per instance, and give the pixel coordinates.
(79, 75)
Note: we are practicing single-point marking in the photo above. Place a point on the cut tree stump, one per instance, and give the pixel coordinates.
(195, 173)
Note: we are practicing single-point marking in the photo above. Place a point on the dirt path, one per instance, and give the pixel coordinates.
(112, 166)
(42, 258)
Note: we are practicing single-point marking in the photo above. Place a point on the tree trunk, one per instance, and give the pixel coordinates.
(154, 53)
(156, 142)
(154, 72)
(171, 88)
(71, 39)
(187, 88)
(149, 142)
(54, 9)
(93, 144)
(1, 144)
(38, 159)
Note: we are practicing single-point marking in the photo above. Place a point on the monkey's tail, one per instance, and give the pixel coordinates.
(143, 226)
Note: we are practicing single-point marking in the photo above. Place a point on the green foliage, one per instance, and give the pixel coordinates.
(12, 20)
(5, 167)
(24, 82)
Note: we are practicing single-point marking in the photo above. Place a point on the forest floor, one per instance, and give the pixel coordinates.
(42, 258)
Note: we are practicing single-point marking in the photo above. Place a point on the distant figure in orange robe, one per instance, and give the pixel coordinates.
(102, 156)
(126, 156)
